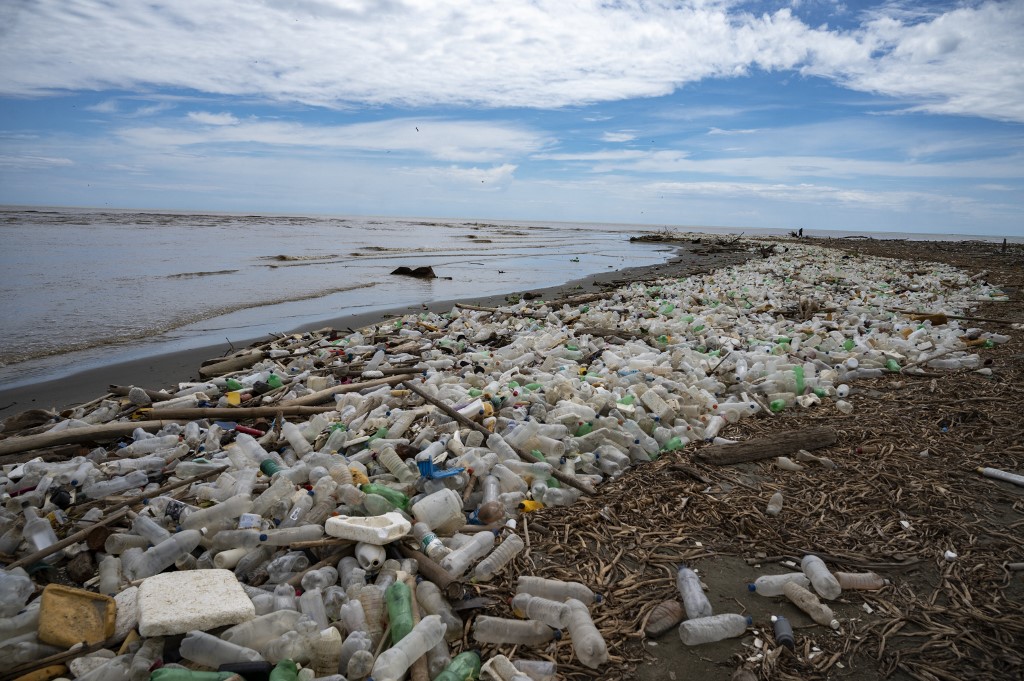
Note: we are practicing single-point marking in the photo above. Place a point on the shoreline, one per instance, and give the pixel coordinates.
(168, 369)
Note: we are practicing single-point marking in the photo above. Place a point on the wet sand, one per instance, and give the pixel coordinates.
(169, 369)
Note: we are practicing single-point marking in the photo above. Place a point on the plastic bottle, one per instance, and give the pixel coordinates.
(774, 504)
(15, 589)
(783, 631)
(459, 560)
(714, 628)
(326, 649)
(552, 613)
(663, 617)
(372, 599)
(429, 543)
(105, 488)
(498, 559)
(556, 590)
(311, 604)
(821, 579)
(587, 641)
(809, 603)
(320, 578)
(399, 604)
(40, 534)
(464, 667)
(1005, 476)
(396, 498)
(213, 516)
(288, 535)
(145, 526)
(394, 463)
(360, 665)
(771, 585)
(258, 632)
(210, 651)
(150, 652)
(163, 555)
(433, 602)
(392, 664)
(862, 581)
(537, 670)
(110, 575)
(357, 640)
(516, 632)
(695, 603)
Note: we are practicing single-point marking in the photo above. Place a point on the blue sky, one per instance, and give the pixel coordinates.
(893, 116)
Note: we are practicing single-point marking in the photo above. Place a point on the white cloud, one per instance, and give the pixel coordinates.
(535, 53)
(720, 131)
(207, 118)
(27, 161)
(449, 140)
(496, 177)
(618, 137)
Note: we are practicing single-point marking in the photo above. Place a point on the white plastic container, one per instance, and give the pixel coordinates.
(379, 529)
(440, 511)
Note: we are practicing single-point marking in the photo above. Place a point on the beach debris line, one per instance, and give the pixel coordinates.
(325, 471)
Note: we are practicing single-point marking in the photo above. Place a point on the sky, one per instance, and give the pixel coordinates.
(890, 116)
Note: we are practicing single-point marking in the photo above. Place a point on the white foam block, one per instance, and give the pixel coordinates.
(127, 612)
(179, 602)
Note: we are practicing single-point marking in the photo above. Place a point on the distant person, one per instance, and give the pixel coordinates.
(800, 233)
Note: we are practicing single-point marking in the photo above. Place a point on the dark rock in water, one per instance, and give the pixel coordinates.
(426, 272)
(530, 295)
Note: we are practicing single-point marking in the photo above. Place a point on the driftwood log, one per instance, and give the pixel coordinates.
(781, 444)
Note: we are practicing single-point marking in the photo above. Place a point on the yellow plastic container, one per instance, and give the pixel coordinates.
(68, 616)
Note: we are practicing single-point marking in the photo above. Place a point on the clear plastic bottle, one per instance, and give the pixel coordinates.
(279, 489)
(297, 511)
(438, 658)
(587, 641)
(151, 651)
(238, 539)
(537, 670)
(296, 439)
(809, 603)
(284, 597)
(372, 599)
(320, 578)
(695, 603)
(861, 581)
(160, 557)
(459, 560)
(286, 536)
(311, 604)
(771, 585)
(774, 504)
(556, 590)
(215, 515)
(516, 632)
(210, 651)
(552, 613)
(15, 589)
(105, 488)
(110, 575)
(145, 526)
(40, 534)
(663, 617)
(394, 463)
(498, 559)
(823, 581)
(713, 628)
(258, 632)
(360, 665)
(433, 602)
(429, 543)
(392, 664)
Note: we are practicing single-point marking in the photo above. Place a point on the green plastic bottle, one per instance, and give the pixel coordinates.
(286, 670)
(232, 384)
(399, 602)
(777, 405)
(798, 376)
(585, 428)
(392, 495)
(464, 667)
(892, 365)
(672, 445)
(274, 381)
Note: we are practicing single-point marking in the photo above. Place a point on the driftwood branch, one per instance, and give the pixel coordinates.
(324, 395)
(233, 413)
(103, 431)
(782, 444)
(226, 366)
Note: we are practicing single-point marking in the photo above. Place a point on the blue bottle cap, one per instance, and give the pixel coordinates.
(264, 537)
(751, 587)
(750, 621)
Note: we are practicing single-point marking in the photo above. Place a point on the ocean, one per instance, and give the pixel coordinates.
(85, 288)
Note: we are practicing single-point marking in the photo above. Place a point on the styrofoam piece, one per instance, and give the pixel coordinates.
(178, 602)
(379, 530)
(127, 617)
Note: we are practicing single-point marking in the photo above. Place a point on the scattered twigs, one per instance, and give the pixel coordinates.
(329, 393)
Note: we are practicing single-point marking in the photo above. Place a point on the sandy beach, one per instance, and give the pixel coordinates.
(903, 498)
